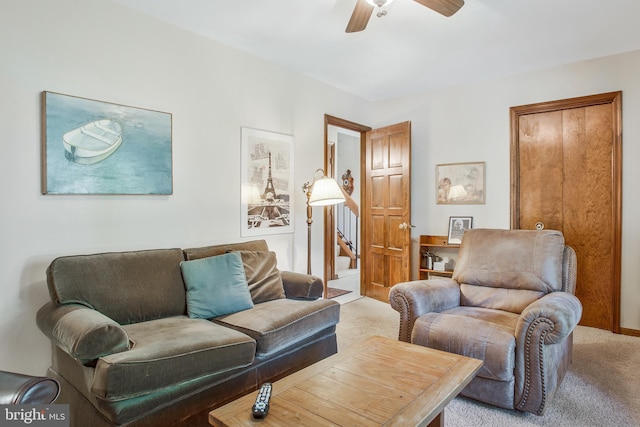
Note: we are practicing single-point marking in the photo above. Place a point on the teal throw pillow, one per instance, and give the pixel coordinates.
(216, 286)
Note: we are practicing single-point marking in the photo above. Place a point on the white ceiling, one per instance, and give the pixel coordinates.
(412, 49)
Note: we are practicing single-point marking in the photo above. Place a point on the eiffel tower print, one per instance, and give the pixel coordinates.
(269, 188)
(266, 185)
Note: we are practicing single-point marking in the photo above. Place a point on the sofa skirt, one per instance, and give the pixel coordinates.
(189, 406)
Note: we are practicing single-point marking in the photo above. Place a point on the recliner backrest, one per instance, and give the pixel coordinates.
(508, 269)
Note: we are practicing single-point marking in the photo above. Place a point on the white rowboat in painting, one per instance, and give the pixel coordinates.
(92, 142)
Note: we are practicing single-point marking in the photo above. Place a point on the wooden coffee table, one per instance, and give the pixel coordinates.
(379, 381)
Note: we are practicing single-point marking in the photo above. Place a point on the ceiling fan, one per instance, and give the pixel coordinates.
(364, 8)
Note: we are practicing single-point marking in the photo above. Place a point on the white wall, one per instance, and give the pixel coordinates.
(100, 50)
(348, 158)
(471, 123)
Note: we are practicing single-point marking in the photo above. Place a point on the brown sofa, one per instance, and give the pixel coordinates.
(127, 351)
(509, 303)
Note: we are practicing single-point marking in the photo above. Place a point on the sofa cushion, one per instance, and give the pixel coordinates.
(486, 336)
(127, 287)
(263, 276)
(279, 323)
(198, 348)
(216, 286)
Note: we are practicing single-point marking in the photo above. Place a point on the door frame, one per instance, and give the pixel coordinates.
(329, 211)
(615, 99)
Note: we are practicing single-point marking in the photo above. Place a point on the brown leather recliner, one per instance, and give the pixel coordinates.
(509, 303)
(16, 389)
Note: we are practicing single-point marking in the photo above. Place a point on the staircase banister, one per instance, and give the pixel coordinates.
(346, 249)
(350, 203)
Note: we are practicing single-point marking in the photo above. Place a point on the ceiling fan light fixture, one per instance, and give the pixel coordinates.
(380, 5)
(364, 9)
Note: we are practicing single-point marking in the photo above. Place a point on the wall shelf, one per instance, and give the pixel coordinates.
(439, 246)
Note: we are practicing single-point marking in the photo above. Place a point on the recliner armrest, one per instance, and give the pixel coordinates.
(548, 321)
(17, 389)
(556, 314)
(85, 334)
(301, 286)
(415, 298)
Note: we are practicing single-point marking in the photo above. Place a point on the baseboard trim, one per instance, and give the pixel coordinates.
(631, 332)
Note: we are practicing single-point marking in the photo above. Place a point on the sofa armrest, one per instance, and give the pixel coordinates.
(415, 298)
(301, 286)
(85, 334)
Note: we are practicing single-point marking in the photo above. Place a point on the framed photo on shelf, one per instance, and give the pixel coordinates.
(267, 181)
(457, 226)
(460, 183)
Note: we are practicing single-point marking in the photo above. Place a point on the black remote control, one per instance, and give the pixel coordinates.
(261, 407)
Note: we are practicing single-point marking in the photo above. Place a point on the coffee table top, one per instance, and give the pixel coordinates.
(374, 382)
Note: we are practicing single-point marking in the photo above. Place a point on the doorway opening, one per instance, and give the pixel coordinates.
(384, 241)
(343, 224)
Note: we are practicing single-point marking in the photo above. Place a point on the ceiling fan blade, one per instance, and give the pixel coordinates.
(443, 7)
(359, 17)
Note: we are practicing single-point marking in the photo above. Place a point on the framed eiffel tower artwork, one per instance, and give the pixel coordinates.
(267, 180)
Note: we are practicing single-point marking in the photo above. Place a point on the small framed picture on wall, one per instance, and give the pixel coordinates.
(457, 226)
(460, 183)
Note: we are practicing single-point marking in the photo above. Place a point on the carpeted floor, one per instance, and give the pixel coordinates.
(602, 387)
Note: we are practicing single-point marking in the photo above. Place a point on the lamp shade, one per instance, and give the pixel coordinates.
(325, 191)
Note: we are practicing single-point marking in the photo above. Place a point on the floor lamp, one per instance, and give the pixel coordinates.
(323, 191)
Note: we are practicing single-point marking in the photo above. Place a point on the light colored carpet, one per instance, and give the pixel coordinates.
(602, 387)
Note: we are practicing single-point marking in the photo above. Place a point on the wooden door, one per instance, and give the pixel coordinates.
(386, 207)
(566, 175)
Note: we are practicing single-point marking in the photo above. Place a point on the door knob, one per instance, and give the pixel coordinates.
(404, 226)
(539, 225)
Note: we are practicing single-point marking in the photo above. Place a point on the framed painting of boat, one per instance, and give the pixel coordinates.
(267, 179)
(97, 147)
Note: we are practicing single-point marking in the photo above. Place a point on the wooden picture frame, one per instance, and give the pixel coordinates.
(460, 183)
(457, 226)
(267, 183)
